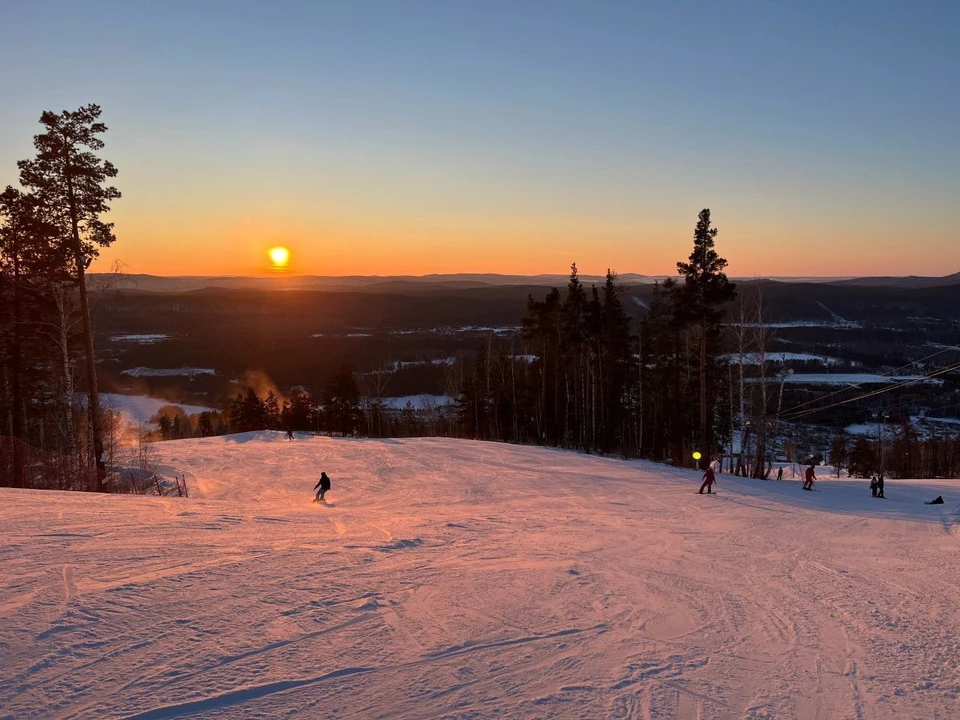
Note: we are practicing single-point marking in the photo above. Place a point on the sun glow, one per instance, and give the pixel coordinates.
(280, 257)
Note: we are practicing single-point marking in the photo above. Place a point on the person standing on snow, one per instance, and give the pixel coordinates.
(880, 487)
(809, 478)
(708, 480)
(874, 485)
(322, 486)
(779, 474)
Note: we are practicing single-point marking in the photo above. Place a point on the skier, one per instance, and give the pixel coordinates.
(809, 478)
(880, 487)
(779, 474)
(873, 485)
(322, 486)
(290, 433)
(708, 480)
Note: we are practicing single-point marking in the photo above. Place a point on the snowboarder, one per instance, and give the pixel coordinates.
(873, 485)
(322, 486)
(809, 478)
(290, 434)
(779, 474)
(880, 487)
(708, 480)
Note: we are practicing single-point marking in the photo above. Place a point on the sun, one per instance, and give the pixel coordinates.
(280, 257)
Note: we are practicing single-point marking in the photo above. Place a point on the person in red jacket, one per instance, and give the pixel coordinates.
(708, 480)
(809, 478)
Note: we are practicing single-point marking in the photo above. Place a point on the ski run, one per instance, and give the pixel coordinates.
(458, 579)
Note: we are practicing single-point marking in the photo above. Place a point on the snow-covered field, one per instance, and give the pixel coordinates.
(418, 402)
(141, 339)
(781, 358)
(856, 379)
(458, 579)
(168, 372)
(136, 410)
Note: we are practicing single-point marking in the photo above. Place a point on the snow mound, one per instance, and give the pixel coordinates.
(450, 578)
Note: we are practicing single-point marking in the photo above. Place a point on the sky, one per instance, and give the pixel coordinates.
(410, 137)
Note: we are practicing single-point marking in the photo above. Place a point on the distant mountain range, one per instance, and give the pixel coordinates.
(909, 282)
(377, 283)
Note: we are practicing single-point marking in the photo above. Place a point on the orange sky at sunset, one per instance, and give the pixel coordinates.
(417, 246)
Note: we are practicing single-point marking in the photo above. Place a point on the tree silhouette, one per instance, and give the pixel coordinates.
(68, 179)
(705, 288)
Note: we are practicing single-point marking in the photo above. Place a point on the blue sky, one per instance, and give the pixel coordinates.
(510, 136)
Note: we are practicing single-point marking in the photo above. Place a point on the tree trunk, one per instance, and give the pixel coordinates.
(16, 367)
(93, 407)
(706, 442)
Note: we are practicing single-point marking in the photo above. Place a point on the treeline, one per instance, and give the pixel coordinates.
(346, 404)
(587, 378)
(51, 229)
(906, 455)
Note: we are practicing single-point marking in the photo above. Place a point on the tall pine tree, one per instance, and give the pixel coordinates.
(705, 289)
(68, 179)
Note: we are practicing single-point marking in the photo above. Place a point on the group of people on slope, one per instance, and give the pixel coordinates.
(876, 486)
(709, 478)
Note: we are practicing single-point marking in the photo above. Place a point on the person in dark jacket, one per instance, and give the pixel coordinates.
(873, 485)
(810, 476)
(880, 486)
(779, 474)
(708, 480)
(322, 486)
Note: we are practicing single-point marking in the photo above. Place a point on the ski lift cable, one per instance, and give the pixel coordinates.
(872, 393)
(884, 374)
(854, 412)
(882, 390)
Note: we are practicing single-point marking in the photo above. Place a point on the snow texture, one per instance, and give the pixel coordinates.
(457, 579)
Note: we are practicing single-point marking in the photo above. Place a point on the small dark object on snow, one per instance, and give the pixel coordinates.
(938, 501)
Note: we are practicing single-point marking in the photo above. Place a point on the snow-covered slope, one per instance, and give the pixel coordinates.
(461, 579)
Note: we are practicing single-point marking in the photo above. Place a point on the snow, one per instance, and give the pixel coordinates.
(782, 357)
(398, 364)
(832, 324)
(167, 372)
(459, 579)
(136, 410)
(925, 426)
(853, 379)
(151, 339)
(419, 402)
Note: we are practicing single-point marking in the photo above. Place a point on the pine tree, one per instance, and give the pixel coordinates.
(297, 412)
(68, 180)
(271, 411)
(706, 288)
(341, 399)
(838, 451)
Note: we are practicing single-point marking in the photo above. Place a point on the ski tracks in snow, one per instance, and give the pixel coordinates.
(463, 579)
